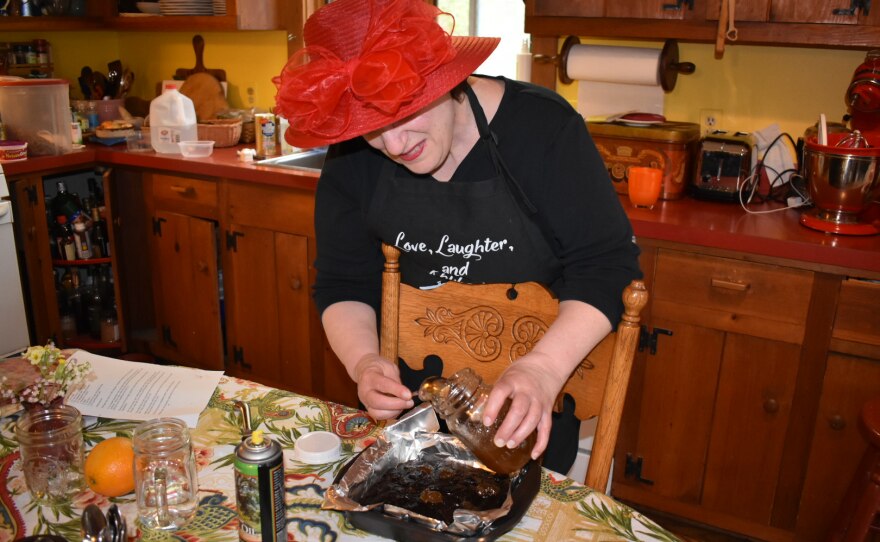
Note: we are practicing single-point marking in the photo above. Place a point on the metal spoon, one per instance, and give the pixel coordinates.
(93, 524)
(117, 523)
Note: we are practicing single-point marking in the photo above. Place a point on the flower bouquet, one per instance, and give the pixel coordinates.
(42, 377)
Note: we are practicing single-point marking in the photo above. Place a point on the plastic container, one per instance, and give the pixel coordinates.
(13, 151)
(37, 111)
(172, 120)
(196, 149)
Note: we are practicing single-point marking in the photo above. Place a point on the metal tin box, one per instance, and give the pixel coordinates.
(669, 146)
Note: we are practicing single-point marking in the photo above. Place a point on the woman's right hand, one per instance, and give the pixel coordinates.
(379, 387)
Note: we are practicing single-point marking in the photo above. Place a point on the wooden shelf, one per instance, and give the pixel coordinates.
(77, 263)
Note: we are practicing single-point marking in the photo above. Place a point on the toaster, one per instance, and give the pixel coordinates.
(724, 164)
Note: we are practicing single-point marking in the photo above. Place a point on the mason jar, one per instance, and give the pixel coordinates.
(166, 483)
(51, 444)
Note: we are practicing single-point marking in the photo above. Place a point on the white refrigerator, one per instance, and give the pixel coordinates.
(13, 321)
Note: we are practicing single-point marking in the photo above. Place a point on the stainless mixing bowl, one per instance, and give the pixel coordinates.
(843, 182)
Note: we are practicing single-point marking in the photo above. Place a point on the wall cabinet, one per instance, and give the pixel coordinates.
(105, 14)
(782, 22)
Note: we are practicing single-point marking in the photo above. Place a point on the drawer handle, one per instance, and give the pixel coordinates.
(730, 285)
(295, 283)
(182, 189)
(836, 422)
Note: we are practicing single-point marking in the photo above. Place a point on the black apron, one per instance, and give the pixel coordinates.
(477, 232)
(472, 232)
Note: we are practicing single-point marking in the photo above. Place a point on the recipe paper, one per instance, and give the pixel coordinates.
(130, 390)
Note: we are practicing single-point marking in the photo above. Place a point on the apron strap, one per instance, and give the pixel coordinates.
(487, 135)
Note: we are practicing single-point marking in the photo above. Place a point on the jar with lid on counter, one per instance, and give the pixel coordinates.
(461, 400)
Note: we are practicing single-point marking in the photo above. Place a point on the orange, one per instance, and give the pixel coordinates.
(109, 467)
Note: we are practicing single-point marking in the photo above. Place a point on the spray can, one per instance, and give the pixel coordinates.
(259, 489)
(266, 128)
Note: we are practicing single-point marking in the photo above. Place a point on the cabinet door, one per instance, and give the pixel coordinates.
(266, 289)
(820, 11)
(187, 290)
(676, 411)
(565, 8)
(744, 10)
(650, 9)
(755, 390)
(30, 216)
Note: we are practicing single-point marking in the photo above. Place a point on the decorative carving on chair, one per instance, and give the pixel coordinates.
(475, 330)
(526, 332)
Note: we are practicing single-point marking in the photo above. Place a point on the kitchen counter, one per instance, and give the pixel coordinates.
(720, 226)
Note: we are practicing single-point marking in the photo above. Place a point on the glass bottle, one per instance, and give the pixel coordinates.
(100, 241)
(83, 241)
(65, 203)
(65, 240)
(460, 400)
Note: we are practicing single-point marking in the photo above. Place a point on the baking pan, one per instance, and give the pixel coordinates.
(376, 522)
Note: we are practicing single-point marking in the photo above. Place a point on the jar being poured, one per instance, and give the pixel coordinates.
(461, 400)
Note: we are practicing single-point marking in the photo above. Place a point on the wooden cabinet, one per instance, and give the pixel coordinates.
(232, 271)
(712, 408)
(104, 14)
(852, 377)
(184, 256)
(782, 22)
(67, 316)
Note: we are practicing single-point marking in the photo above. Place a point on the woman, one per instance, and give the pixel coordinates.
(475, 179)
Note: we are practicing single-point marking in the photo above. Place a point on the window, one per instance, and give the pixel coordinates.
(497, 18)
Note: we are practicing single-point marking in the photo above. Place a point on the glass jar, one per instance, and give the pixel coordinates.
(165, 477)
(51, 444)
(460, 400)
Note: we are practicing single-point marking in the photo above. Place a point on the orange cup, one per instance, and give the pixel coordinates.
(644, 185)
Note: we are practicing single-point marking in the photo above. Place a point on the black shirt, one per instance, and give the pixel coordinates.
(546, 146)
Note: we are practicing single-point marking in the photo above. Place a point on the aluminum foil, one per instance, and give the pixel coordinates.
(414, 437)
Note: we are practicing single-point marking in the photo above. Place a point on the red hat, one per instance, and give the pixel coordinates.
(367, 64)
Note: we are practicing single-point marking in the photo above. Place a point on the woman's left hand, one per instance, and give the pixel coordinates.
(532, 390)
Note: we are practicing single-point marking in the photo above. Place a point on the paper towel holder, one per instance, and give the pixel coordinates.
(561, 59)
(667, 70)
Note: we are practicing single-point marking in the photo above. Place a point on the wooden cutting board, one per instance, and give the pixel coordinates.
(206, 93)
(199, 47)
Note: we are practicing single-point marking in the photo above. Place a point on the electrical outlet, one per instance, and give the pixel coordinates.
(710, 120)
(251, 95)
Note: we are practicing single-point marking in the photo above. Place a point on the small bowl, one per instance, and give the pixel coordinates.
(196, 149)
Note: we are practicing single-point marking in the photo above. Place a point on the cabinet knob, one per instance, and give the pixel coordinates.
(32, 232)
(771, 406)
(202, 266)
(836, 422)
(295, 283)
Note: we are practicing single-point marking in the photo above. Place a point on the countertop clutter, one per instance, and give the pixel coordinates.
(722, 226)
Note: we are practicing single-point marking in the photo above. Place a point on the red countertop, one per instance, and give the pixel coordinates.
(722, 226)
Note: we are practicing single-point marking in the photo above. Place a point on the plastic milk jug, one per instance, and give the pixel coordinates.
(172, 120)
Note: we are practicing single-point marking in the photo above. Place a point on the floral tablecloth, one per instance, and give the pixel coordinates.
(562, 510)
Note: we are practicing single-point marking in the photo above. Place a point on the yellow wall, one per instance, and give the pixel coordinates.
(753, 86)
(250, 59)
(756, 86)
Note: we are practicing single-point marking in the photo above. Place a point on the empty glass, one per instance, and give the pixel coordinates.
(51, 444)
(165, 476)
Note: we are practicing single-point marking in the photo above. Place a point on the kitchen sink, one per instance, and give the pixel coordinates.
(310, 159)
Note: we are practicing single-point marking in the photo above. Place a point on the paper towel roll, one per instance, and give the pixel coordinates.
(613, 80)
(610, 64)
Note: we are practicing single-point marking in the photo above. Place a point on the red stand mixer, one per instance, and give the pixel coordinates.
(844, 174)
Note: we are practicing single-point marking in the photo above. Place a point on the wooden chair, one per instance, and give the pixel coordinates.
(488, 326)
(855, 521)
